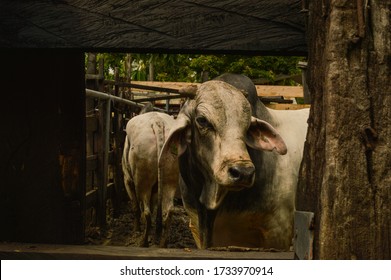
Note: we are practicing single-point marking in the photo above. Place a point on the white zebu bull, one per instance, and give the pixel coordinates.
(145, 136)
(234, 189)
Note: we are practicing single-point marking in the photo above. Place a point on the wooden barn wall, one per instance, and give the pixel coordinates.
(42, 146)
(247, 26)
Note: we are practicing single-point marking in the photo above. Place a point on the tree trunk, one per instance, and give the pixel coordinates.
(151, 72)
(128, 67)
(345, 177)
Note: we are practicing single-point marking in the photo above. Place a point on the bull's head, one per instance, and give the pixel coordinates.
(215, 128)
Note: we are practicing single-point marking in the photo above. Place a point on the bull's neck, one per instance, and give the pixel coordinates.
(202, 185)
(191, 174)
(195, 182)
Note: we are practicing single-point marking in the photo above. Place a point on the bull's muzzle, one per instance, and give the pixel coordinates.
(241, 174)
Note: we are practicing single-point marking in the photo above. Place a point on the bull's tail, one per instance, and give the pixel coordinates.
(159, 130)
(129, 183)
(148, 107)
(125, 158)
(125, 152)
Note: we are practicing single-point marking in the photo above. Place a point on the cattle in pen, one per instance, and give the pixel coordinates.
(238, 165)
(145, 135)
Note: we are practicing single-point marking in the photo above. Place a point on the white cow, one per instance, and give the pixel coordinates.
(145, 136)
(238, 173)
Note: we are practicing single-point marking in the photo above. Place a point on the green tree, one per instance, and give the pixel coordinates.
(192, 67)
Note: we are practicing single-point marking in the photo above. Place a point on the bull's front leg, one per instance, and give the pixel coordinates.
(166, 229)
(206, 223)
(165, 208)
(164, 216)
(147, 221)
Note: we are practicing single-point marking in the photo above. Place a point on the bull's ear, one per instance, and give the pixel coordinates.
(262, 135)
(177, 140)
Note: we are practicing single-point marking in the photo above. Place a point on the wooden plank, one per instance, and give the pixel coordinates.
(91, 198)
(91, 123)
(262, 27)
(111, 157)
(110, 189)
(287, 106)
(275, 99)
(92, 163)
(141, 87)
(90, 252)
(171, 85)
(158, 97)
(104, 143)
(118, 139)
(92, 195)
(262, 90)
(285, 91)
(90, 180)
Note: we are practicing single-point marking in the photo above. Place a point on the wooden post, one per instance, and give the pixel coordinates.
(128, 79)
(103, 141)
(102, 150)
(91, 127)
(118, 140)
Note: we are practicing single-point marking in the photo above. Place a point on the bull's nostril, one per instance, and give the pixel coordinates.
(241, 174)
(235, 173)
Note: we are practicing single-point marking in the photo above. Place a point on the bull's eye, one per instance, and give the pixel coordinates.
(203, 122)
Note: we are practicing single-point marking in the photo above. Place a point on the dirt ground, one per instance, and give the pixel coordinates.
(120, 230)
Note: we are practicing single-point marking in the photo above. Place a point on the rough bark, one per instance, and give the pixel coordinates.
(346, 171)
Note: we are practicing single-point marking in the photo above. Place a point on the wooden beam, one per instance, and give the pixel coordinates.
(55, 251)
(91, 123)
(91, 198)
(287, 106)
(262, 90)
(285, 91)
(165, 85)
(91, 163)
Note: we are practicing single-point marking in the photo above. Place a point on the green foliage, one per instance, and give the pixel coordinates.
(112, 60)
(266, 68)
(173, 67)
(189, 67)
(213, 64)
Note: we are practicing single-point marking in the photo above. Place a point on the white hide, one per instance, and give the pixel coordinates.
(271, 227)
(146, 134)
